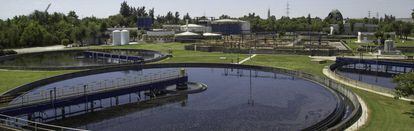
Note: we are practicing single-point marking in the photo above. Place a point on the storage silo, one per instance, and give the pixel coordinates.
(124, 37)
(116, 37)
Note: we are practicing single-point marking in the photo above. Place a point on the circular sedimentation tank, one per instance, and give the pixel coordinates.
(371, 73)
(238, 97)
(79, 59)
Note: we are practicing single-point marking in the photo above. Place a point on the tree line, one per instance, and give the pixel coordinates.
(43, 28)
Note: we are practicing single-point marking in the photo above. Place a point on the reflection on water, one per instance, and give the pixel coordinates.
(372, 74)
(236, 99)
(67, 58)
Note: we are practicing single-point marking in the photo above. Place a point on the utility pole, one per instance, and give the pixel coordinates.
(268, 13)
(378, 17)
(287, 9)
(369, 14)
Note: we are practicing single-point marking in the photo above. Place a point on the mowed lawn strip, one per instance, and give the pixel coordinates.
(13, 78)
(293, 62)
(180, 55)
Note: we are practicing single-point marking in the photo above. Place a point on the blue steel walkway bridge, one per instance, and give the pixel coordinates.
(61, 97)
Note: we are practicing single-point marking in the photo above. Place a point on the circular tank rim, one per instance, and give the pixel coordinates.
(336, 65)
(5, 58)
(337, 123)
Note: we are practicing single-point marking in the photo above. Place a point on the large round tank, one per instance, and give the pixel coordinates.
(116, 37)
(124, 37)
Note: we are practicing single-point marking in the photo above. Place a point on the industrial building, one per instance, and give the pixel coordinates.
(187, 37)
(195, 28)
(175, 28)
(357, 27)
(230, 27)
(144, 23)
(159, 35)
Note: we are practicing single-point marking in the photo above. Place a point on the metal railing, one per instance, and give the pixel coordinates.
(46, 95)
(23, 124)
(332, 71)
(336, 86)
(332, 84)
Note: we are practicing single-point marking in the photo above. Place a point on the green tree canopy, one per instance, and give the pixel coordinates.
(405, 84)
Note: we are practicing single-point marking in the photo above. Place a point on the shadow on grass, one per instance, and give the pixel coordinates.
(410, 113)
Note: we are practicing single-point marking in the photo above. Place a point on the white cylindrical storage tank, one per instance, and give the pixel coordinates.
(124, 37)
(116, 37)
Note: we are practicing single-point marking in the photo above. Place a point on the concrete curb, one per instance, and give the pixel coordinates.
(363, 119)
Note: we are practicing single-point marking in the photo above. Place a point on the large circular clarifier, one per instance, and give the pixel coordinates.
(77, 58)
(236, 99)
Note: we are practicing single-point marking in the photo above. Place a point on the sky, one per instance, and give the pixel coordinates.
(215, 8)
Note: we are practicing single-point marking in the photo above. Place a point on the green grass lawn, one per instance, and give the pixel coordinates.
(13, 78)
(181, 55)
(385, 113)
(399, 43)
(293, 62)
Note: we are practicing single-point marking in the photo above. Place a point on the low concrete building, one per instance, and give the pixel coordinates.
(187, 37)
(175, 28)
(230, 27)
(159, 35)
(195, 28)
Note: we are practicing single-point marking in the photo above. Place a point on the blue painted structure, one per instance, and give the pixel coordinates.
(85, 97)
(376, 62)
(144, 23)
(95, 54)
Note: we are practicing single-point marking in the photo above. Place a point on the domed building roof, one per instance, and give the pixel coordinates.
(187, 33)
(335, 15)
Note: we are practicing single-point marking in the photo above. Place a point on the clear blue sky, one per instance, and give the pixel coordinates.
(235, 8)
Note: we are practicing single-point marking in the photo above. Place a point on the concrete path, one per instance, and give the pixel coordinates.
(246, 59)
(39, 49)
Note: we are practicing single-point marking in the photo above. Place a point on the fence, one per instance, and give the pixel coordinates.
(23, 124)
(338, 87)
(357, 83)
(46, 95)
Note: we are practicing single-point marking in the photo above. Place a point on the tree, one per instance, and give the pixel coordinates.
(125, 9)
(224, 17)
(412, 14)
(151, 13)
(33, 35)
(176, 18)
(65, 42)
(72, 14)
(187, 17)
(405, 84)
(406, 29)
(169, 17)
